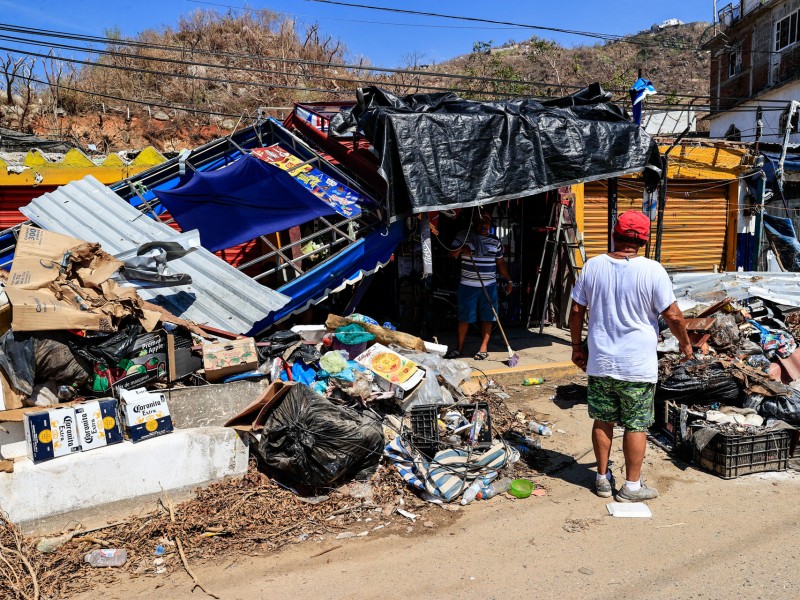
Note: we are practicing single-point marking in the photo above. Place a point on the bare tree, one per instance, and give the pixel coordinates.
(11, 68)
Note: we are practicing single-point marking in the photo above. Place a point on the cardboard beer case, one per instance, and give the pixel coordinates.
(146, 414)
(51, 433)
(98, 423)
(222, 359)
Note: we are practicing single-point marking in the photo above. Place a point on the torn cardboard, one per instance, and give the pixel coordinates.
(58, 282)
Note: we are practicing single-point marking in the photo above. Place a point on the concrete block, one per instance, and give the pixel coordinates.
(183, 459)
(213, 404)
(10, 433)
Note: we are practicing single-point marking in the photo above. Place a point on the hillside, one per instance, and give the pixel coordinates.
(183, 85)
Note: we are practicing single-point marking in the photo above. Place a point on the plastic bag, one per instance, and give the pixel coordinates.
(108, 348)
(315, 442)
(279, 342)
(698, 383)
(725, 332)
(353, 334)
(308, 353)
(785, 407)
(333, 362)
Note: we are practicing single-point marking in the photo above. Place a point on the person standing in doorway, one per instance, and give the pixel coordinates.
(624, 294)
(481, 255)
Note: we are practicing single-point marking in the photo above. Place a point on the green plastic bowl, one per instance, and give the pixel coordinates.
(521, 488)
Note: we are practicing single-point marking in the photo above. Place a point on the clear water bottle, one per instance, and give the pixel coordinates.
(540, 428)
(498, 487)
(107, 557)
(480, 482)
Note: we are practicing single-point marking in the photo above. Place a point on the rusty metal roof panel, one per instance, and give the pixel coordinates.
(220, 295)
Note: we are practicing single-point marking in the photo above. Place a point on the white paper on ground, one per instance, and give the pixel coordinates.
(629, 509)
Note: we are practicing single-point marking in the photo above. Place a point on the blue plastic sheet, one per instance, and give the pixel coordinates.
(781, 233)
(240, 202)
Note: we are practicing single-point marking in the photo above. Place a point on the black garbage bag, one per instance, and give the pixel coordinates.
(701, 383)
(307, 353)
(785, 407)
(107, 347)
(278, 343)
(318, 443)
(29, 358)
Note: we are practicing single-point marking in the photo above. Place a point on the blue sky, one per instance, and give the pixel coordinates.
(383, 44)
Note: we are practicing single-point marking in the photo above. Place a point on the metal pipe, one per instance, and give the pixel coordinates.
(758, 234)
(612, 209)
(662, 205)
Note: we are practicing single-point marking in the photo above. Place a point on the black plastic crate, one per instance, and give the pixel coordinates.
(672, 420)
(485, 436)
(732, 455)
(425, 428)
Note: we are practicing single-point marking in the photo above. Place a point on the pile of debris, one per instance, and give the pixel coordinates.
(359, 427)
(733, 407)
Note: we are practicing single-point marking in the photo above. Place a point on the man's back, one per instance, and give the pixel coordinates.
(624, 298)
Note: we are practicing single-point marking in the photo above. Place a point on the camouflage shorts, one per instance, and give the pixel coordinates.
(629, 403)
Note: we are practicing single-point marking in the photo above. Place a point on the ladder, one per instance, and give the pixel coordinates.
(560, 233)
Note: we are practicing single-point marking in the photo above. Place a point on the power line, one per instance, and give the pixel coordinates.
(210, 65)
(591, 34)
(395, 24)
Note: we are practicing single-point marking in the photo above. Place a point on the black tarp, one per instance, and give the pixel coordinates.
(439, 151)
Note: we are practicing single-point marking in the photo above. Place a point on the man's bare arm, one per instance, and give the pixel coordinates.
(577, 314)
(674, 318)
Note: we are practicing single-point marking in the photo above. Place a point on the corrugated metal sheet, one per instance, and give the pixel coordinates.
(781, 288)
(695, 221)
(220, 295)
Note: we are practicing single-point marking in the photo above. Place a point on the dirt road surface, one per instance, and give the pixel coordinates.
(708, 538)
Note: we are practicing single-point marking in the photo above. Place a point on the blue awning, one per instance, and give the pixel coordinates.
(240, 202)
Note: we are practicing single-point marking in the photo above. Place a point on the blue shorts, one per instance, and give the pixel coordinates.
(472, 303)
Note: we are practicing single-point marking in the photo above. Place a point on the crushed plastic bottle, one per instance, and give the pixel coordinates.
(498, 487)
(540, 428)
(107, 557)
(533, 381)
(523, 443)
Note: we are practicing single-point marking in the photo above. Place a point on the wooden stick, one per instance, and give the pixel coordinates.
(383, 336)
(331, 549)
(185, 562)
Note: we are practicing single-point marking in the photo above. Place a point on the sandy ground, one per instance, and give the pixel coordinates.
(708, 538)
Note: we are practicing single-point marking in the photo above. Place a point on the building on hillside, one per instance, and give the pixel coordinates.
(755, 63)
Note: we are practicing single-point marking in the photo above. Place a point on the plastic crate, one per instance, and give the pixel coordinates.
(672, 420)
(732, 455)
(425, 429)
(485, 436)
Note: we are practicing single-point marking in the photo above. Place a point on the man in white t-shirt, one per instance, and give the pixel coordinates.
(624, 293)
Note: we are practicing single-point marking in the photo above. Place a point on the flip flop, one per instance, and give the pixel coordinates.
(481, 356)
(453, 354)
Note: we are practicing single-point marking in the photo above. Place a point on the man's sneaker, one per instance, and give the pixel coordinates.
(643, 493)
(604, 487)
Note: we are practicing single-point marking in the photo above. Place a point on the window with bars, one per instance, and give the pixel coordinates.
(786, 31)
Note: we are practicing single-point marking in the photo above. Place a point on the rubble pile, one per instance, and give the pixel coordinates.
(743, 383)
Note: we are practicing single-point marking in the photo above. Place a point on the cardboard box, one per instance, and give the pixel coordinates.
(146, 362)
(393, 372)
(51, 433)
(9, 397)
(98, 423)
(146, 414)
(220, 360)
(45, 291)
(252, 417)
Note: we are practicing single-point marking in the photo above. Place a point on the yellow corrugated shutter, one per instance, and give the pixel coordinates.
(695, 221)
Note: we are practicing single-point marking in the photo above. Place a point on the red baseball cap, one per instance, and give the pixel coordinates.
(633, 223)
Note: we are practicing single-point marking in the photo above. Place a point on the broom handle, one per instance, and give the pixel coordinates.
(489, 300)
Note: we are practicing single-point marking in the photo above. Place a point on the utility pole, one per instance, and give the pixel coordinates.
(714, 18)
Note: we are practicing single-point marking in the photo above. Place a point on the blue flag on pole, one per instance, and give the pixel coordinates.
(639, 91)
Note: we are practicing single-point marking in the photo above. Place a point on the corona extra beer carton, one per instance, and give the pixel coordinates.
(146, 414)
(51, 433)
(98, 423)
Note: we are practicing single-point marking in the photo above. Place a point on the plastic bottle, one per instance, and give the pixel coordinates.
(480, 482)
(523, 443)
(498, 487)
(540, 428)
(533, 381)
(107, 557)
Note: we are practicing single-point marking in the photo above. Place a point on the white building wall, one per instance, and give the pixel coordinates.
(744, 116)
